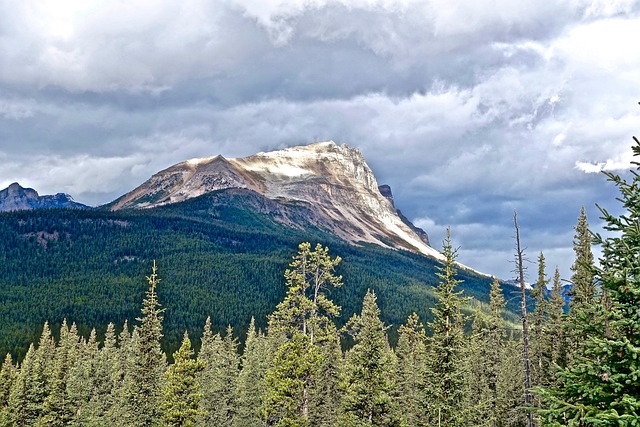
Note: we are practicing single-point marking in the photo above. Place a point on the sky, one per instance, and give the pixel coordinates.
(469, 109)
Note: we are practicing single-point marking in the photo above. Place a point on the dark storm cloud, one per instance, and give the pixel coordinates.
(469, 110)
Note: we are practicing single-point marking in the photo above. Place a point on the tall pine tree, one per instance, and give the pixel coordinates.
(602, 386)
(369, 372)
(445, 367)
(144, 380)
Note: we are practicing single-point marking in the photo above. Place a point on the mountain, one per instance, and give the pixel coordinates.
(333, 183)
(222, 232)
(16, 197)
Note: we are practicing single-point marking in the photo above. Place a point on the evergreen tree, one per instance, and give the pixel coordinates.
(57, 409)
(557, 340)
(107, 375)
(368, 374)
(484, 364)
(81, 381)
(8, 374)
(583, 313)
(32, 384)
(584, 289)
(300, 324)
(182, 395)
(411, 353)
(602, 387)
(445, 363)
(541, 369)
(251, 384)
(219, 377)
(144, 382)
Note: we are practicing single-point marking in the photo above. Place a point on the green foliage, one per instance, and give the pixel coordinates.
(250, 387)
(216, 257)
(144, 379)
(445, 359)
(602, 386)
(301, 324)
(369, 370)
(219, 378)
(411, 354)
(181, 405)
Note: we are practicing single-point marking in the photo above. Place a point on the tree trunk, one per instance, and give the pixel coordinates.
(525, 324)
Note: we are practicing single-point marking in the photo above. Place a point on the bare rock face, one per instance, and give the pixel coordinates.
(334, 181)
(16, 197)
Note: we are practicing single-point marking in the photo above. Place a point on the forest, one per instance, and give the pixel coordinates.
(577, 367)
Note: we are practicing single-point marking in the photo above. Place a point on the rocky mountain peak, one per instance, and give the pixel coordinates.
(15, 197)
(334, 181)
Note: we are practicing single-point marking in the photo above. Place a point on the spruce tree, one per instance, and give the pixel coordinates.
(32, 384)
(411, 353)
(541, 369)
(181, 404)
(8, 374)
(583, 289)
(81, 381)
(219, 377)
(584, 314)
(369, 371)
(445, 363)
(144, 382)
(57, 409)
(250, 387)
(107, 375)
(485, 355)
(602, 386)
(557, 340)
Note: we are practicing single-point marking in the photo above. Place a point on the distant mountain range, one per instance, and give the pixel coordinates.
(15, 198)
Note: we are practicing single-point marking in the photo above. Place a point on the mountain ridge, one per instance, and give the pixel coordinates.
(15, 197)
(334, 180)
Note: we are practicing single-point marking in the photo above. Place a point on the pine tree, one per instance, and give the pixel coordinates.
(368, 374)
(8, 374)
(485, 355)
(32, 384)
(301, 323)
(541, 369)
(182, 395)
(81, 381)
(219, 377)
(602, 387)
(107, 376)
(445, 363)
(584, 288)
(250, 387)
(144, 382)
(324, 397)
(58, 411)
(557, 340)
(583, 312)
(411, 353)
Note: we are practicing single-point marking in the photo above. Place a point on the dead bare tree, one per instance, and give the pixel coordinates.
(528, 398)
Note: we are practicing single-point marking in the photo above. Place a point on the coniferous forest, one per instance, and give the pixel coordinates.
(576, 367)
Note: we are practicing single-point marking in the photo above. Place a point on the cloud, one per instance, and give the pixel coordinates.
(469, 110)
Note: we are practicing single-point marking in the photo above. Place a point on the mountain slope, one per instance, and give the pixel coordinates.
(334, 182)
(222, 254)
(15, 198)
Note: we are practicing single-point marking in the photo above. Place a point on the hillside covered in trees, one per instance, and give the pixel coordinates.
(218, 258)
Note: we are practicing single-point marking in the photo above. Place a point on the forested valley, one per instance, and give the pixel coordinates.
(575, 367)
